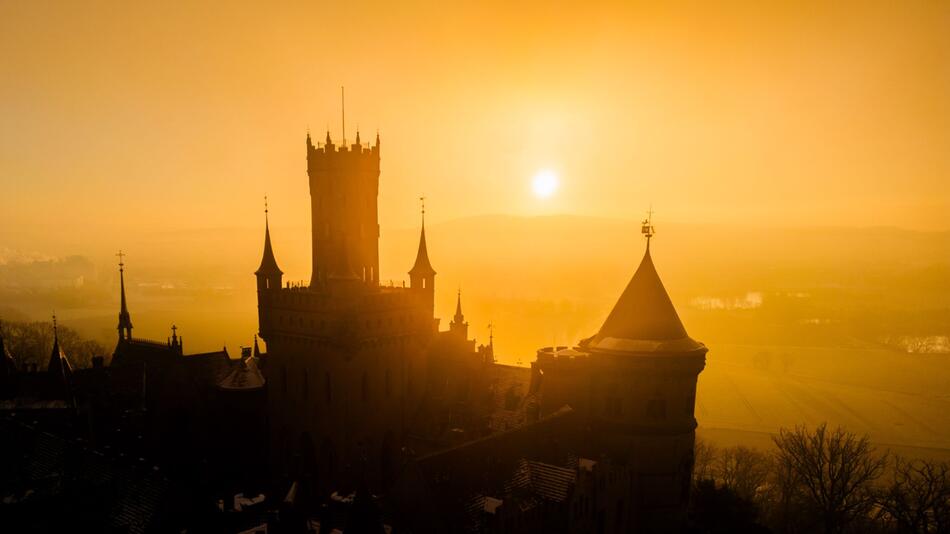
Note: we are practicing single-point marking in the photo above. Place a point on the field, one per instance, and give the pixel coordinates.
(902, 401)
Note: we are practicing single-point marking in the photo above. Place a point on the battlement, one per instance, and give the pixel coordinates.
(362, 148)
(328, 151)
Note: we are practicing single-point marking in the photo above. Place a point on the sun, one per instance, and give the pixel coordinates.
(544, 184)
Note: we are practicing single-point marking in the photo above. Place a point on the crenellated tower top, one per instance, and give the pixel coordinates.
(344, 186)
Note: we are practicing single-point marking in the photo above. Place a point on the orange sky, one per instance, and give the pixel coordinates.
(119, 119)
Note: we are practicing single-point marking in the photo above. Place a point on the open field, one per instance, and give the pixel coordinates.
(900, 400)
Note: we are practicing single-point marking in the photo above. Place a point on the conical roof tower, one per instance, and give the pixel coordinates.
(268, 261)
(644, 320)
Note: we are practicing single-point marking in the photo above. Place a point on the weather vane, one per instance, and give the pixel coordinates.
(121, 255)
(646, 227)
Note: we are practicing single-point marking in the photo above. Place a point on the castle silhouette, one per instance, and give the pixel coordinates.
(361, 403)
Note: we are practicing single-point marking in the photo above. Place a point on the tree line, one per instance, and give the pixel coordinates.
(32, 343)
(825, 480)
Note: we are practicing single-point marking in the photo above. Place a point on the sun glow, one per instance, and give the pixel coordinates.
(544, 184)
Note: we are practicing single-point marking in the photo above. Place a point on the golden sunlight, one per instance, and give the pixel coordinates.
(544, 184)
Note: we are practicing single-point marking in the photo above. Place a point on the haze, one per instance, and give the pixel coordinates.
(774, 143)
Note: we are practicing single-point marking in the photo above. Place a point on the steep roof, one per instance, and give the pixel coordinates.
(244, 375)
(58, 364)
(644, 319)
(125, 320)
(422, 266)
(268, 262)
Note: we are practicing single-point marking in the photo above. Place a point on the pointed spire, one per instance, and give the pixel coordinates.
(58, 365)
(422, 267)
(125, 320)
(328, 140)
(459, 318)
(175, 342)
(309, 141)
(257, 348)
(268, 262)
(377, 138)
(357, 135)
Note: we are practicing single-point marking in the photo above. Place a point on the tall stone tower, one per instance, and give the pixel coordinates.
(346, 359)
(344, 185)
(635, 383)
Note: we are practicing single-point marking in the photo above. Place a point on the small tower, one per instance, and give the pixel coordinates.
(125, 320)
(268, 274)
(58, 369)
(458, 326)
(422, 275)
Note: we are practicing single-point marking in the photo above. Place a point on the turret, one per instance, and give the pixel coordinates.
(58, 369)
(458, 326)
(268, 274)
(125, 320)
(422, 275)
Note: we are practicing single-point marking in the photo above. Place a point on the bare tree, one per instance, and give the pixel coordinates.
(742, 469)
(918, 498)
(704, 456)
(835, 470)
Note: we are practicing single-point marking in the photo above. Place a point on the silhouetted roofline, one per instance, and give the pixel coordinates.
(422, 265)
(268, 262)
(644, 319)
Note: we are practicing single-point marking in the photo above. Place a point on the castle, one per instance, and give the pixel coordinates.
(364, 387)
(362, 401)
(350, 361)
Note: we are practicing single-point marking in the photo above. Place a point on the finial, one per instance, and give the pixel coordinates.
(174, 330)
(646, 227)
(55, 330)
(491, 334)
(121, 255)
(422, 201)
(265, 206)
